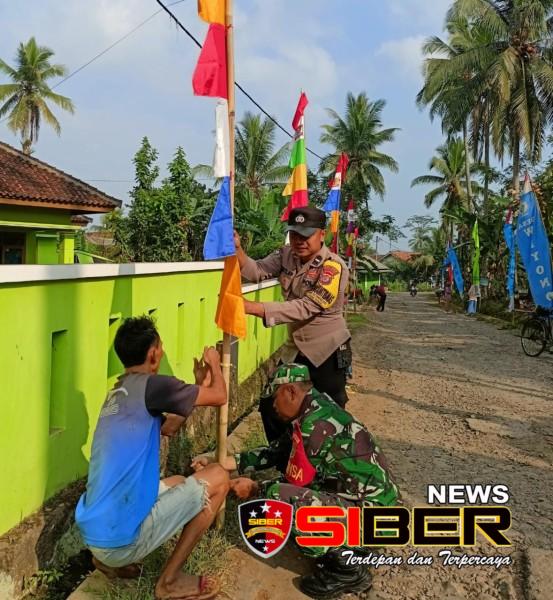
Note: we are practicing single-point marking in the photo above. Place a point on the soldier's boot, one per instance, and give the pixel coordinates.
(325, 584)
(334, 577)
(334, 561)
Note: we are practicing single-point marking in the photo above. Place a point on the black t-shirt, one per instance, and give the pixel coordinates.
(165, 393)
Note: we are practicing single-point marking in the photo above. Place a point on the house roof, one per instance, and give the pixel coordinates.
(401, 255)
(370, 264)
(27, 181)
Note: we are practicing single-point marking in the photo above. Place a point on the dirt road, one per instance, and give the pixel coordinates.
(452, 400)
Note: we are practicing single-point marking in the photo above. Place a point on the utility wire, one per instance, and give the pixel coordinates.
(248, 96)
(127, 35)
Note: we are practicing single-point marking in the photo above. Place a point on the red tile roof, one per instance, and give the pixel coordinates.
(28, 180)
(402, 255)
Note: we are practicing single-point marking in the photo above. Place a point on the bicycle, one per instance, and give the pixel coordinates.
(537, 332)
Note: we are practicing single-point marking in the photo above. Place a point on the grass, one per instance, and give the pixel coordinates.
(356, 321)
(209, 557)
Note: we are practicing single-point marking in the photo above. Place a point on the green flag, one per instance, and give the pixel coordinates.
(476, 257)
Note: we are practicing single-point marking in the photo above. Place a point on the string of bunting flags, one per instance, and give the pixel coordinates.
(210, 78)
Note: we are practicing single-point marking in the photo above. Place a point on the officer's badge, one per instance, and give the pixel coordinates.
(265, 525)
(328, 286)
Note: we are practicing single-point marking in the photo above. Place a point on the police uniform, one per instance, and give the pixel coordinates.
(314, 296)
(334, 460)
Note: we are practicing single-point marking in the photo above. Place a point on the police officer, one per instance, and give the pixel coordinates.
(313, 282)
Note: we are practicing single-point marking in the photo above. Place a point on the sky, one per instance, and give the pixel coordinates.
(142, 87)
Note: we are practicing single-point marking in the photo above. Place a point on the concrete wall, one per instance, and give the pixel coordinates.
(57, 359)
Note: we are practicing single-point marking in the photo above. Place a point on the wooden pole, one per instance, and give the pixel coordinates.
(222, 412)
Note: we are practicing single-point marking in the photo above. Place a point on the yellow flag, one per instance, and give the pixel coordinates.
(212, 11)
(230, 315)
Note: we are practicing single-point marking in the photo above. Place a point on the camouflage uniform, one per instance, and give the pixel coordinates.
(349, 469)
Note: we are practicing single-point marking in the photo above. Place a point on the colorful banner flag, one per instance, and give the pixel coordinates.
(476, 257)
(230, 315)
(296, 187)
(351, 232)
(221, 158)
(452, 261)
(210, 79)
(210, 74)
(332, 204)
(509, 236)
(533, 246)
(219, 239)
(212, 11)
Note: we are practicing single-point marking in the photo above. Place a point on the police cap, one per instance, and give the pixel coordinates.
(306, 220)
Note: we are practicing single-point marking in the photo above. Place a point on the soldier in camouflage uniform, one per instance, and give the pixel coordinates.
(334, 461)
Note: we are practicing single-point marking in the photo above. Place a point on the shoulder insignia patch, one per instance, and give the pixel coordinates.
(326, 290)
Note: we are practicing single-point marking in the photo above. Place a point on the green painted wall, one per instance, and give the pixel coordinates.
(30, 214)
(47, 249)
(56, 365)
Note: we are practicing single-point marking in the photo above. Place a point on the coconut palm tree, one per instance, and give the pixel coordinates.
(360, 135)
(448, 177)
(258, 166)
(508, 63)
(257, 163)
(25, 99)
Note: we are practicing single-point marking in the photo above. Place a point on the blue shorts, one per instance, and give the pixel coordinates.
(174, 507)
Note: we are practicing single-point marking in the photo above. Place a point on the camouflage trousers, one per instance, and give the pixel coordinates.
(304, 496)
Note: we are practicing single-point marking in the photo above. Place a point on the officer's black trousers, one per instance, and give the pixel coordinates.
(381, 303)
(327, 378)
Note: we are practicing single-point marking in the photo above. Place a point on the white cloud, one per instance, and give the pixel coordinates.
(423, 13)
(406, 56)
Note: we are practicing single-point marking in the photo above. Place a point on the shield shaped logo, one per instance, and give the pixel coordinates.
(265, 525)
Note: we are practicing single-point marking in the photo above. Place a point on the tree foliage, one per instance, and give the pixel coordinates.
(25, 100)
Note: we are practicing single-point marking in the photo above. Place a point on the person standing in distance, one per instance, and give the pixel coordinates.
(313, 281)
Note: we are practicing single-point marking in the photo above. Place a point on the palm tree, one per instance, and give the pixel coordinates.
(25, 100)
(449, 179)
(360, 134)
(258, 166)
(511, 65)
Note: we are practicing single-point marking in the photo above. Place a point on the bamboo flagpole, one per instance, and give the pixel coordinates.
(222, 411)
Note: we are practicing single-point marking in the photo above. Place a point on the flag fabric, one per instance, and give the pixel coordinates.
(455, 270)
(332, 204)
(296, 187)
(476, 257)
(210, 74)
(533, 246)
(350, 230)
(510, 243)
(230, 315)
(221, 158)
(212, 11)
(219, 239)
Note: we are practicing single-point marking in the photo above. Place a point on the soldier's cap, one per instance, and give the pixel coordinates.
(306, 220)
(287, 373)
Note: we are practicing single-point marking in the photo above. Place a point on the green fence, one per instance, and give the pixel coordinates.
(57, 359)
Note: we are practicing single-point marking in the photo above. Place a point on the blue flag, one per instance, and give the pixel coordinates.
(451, 259)
(510, 242)
(534, 250)
(219, 239)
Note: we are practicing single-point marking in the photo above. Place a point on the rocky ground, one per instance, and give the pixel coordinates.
(452, 400)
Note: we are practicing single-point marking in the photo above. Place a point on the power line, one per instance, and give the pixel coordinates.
(100, 54)
(127, 35)
(248, 96)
